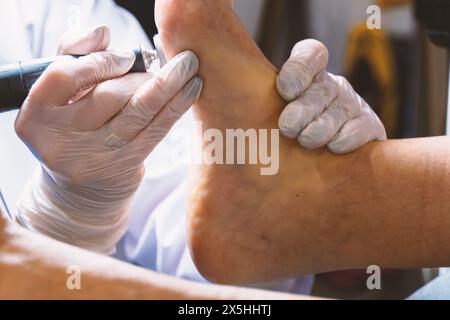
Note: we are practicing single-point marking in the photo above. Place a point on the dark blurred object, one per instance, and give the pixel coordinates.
(435, 16)
(144, 11)
(284, 23)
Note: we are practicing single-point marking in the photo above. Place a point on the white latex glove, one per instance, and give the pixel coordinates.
(93, 150)
(324, 109)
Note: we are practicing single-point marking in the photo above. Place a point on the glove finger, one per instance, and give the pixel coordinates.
(155, 132)
(152, 97)
(74, 76)
(324, 128)
(106, 100)
(347, 105)
(301, 112)
(357, 133)
(308, 59)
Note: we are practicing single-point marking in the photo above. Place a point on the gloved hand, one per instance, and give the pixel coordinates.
(324, 109)
(92, 150)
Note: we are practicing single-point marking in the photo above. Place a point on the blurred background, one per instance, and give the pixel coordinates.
(397, 69)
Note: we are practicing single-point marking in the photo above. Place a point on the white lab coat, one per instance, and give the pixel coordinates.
(156, 238)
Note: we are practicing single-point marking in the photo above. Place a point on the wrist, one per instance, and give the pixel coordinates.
(69, 213)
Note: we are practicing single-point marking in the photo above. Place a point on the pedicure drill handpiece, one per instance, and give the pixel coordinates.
(16, 79)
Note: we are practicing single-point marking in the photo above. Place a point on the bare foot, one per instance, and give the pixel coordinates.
(241, 225)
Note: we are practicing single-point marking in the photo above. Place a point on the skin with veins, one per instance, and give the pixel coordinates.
(386, 204)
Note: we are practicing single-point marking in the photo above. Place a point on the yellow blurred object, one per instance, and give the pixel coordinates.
(393, 3)
(372, 48)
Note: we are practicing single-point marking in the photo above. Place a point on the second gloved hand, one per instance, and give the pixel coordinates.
(324, 110)
(93, 149)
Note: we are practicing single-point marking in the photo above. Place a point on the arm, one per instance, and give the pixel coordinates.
(35, 267)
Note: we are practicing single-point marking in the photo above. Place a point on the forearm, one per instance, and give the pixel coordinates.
(35, 267)
(386, 204)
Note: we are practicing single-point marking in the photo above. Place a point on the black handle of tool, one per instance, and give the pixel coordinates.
(16, 79)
